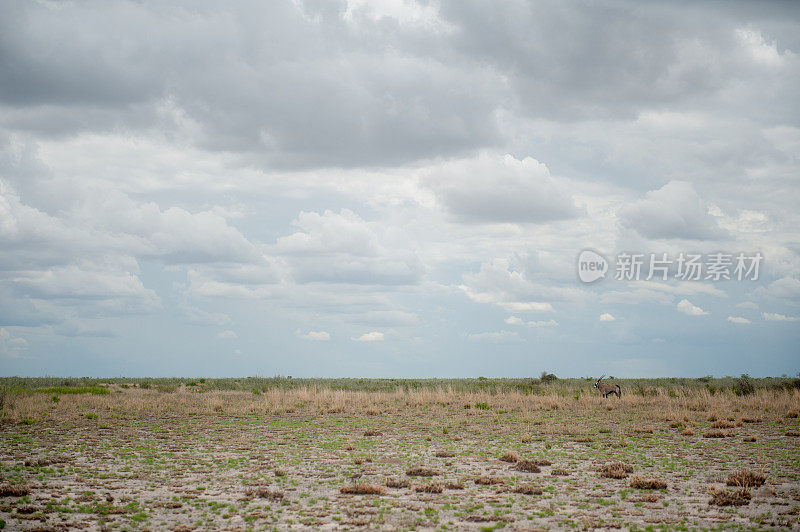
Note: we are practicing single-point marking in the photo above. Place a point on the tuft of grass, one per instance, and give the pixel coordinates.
(528, 466)
(749, 439)
(397, 483)
(433, 487)
(527, 489)
(646, 497)
(722, 424)
(687, 432)
(557, 472)
(746, 478)
(616, 470)
(14, 490)
(454, 486)
(373, 432)
(362, 489)
(488, 481)
(445, 454)
(266, 493)
(793, 433)
(647, 483)
(422, 472)
(509, 456)
(716, 434)
(739, 497)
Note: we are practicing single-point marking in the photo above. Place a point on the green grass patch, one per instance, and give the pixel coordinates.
(94, 390)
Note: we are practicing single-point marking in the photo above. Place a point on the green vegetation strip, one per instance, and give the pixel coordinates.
(94, 390)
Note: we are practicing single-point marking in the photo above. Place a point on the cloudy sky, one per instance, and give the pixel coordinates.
(395, 189)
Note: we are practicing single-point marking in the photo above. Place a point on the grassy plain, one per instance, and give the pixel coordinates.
(281, 453)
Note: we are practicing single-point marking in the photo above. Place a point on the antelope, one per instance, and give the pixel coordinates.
(608, 389)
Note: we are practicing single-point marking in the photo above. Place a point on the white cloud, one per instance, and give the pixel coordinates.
(513, 320)
(344, 248)
(673, 211)
(11, 346)
(739, 320)
(323, 336)
(747, 304)
(500, 337)
(542, 323)
(227, 335)
(374, 336)
(774, 316)
(688, 308)
(492, 188)
(607, 317)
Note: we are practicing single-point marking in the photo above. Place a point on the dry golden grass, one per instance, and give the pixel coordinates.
(738, 497)
(362, 489)
(716, 434)
(266, 493)
(556, 472)
(488, 481)
(445, 454)
(14, 490)
(433, 487)
(722, 424)
(615, 470)
(422, 472)
(646, 497)
(454, 486)
(647, 483)
(510, 456)
(397, 483)
(687, 432)
(527, 489)
(528, 466)
(373, 433)
(311, 399)
(746, 478)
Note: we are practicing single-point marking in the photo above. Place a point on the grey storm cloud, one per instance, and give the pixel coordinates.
(299, 85)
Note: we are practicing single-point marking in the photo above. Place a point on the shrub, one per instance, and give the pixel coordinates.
(547, 377)
(744, 385)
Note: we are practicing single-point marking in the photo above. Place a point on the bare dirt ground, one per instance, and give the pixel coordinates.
(185, 460)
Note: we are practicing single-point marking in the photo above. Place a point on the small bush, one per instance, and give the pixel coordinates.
(744, 385)
(547, 377)
(556, 472)
(445, 454)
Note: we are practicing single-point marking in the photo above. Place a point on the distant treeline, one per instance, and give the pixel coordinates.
(546, 383)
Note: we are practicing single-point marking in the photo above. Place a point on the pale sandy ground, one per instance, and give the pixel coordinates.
(283, 467)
